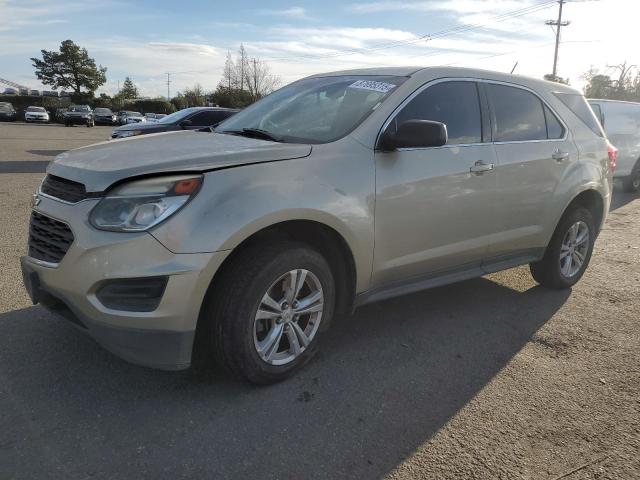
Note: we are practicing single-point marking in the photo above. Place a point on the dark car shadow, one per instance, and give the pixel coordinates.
(386, 380)
(621, 198)
(24, 166)
(46, 153)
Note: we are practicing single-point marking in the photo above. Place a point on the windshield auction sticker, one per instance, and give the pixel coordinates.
(372, 85)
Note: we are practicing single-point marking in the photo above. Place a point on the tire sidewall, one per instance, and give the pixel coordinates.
(577, 215)
(239, 321)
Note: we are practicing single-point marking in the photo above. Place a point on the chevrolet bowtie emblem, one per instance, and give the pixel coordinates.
(35, 200)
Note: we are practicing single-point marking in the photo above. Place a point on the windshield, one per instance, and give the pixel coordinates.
(315, 110)
(35, 109)
(177, 116)
(133, 114)
(6, 107)
(79, 108)
(102, 111)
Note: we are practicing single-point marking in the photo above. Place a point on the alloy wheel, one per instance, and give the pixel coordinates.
(288, 317)
(574, 249)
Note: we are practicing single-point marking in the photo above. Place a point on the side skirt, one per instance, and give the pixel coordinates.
(417, 284)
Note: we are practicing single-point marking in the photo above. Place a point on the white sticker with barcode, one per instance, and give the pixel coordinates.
(373, 85)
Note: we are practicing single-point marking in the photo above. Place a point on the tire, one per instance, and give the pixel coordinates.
(551, 271)
(233, 334)
(631, 184)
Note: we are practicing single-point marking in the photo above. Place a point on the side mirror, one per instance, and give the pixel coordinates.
(414, 134)
(185, 123)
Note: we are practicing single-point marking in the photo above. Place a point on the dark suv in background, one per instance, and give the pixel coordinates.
(187, 119)
(7, 112)
(79, 115)
(104, 116)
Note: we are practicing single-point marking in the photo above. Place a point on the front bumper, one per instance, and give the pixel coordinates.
(77, 120)
(162, 338)
(29, 118)
(105, 120)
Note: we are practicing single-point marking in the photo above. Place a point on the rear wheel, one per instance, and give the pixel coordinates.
(265, 319)
(631, 183)
(569, 251)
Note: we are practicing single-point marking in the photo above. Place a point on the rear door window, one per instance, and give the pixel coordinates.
(456, 104)
(204, 119)
(622, 118)
(518, 114)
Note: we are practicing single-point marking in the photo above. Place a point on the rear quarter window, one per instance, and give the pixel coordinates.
(579, 106)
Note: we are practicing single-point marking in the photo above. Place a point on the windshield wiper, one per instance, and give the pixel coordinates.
(256, 132)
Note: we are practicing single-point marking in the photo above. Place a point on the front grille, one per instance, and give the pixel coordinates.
(64, 189)
(49, 239)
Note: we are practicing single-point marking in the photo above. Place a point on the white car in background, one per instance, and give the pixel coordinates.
(154, 117)
(36, 114)
(621, 122)
(134, 117)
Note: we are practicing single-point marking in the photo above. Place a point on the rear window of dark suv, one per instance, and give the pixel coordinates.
(579, 106)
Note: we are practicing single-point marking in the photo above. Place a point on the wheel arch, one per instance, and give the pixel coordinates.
(319, 236)
(592, 200)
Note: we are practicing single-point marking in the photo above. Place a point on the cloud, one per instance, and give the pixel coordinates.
(455, 6)
(292, 12)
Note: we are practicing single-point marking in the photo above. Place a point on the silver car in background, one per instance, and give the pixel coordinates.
(241, 244)
(621, 122)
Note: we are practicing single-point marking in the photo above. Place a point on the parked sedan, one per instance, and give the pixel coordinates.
(187, 119)
(36, 114)
(104, 116)
(134, 117)
(7, 112)
(79, 115)
(127, 116)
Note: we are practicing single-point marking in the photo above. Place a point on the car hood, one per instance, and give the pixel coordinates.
(101, 165)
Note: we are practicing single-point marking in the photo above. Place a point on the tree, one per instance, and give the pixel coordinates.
(242, 66)
(234, 98)
(194, 96)
(259, 79)
(625, 87)
(128, 90)
(624, 79)
(229, 78)
(554, 78)
(69, 68)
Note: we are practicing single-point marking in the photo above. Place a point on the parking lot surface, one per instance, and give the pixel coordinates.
(489, 378)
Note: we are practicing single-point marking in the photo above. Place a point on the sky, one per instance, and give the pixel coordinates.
(145, 39)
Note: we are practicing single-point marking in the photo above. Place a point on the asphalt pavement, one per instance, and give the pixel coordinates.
(489, 378)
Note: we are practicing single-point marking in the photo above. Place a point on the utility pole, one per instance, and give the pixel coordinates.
(558, 24)
(168, 87)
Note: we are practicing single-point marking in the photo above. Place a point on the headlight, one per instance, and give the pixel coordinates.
(139, 205)
(128, 133)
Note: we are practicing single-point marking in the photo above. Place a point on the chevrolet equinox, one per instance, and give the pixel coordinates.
(241, 244)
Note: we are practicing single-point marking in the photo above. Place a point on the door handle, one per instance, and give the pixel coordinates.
(558, 155)
(480, 167)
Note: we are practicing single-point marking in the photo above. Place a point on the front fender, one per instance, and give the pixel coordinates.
(238, 202)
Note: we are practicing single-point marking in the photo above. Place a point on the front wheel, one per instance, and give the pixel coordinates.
(265, 320)
(569, 251)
